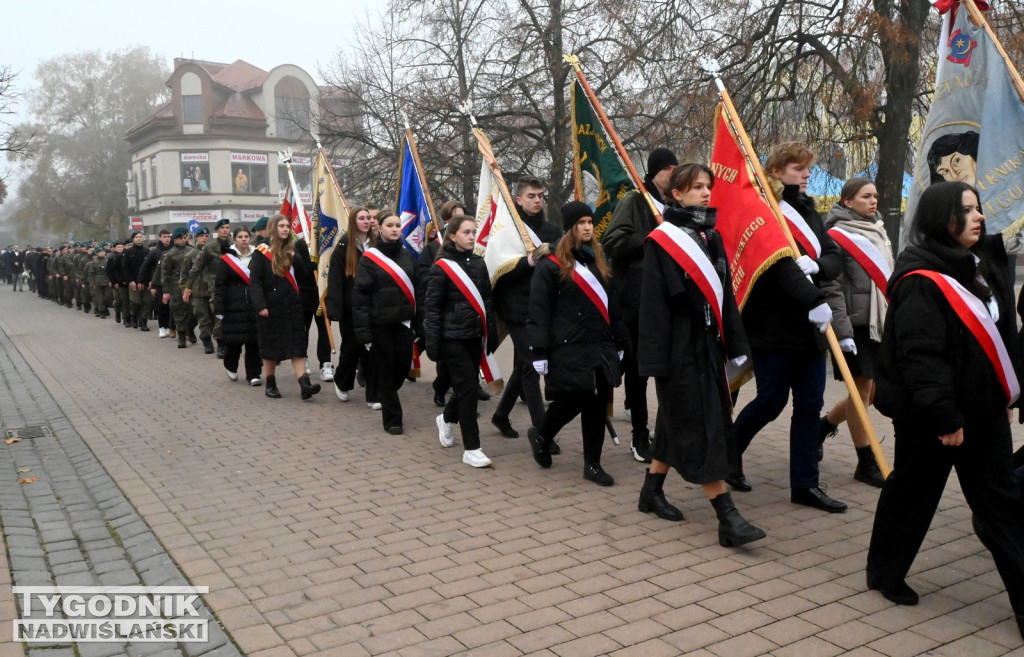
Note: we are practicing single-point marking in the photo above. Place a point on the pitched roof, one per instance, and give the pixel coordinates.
(240, 76)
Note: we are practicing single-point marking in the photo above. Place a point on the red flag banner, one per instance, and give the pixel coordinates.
(752, 236)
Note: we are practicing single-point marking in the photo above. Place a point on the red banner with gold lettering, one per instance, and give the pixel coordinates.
(752, 236)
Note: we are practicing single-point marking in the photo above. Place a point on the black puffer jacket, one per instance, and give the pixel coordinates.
(447, 314)
(567, 329)
(339, 286)
(623, 241)
(931, 368)
(149, 266)
(775, 315)
(231, 300)
(512, 290)
(377, 300)
(132, 261)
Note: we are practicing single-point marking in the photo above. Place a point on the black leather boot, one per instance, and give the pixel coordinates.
(271, 388)
(826, 430)
(181, 341)
(308, 389)
(652, 498)
(207, 345)
(733, 529)
(867, 471)
(117, 316)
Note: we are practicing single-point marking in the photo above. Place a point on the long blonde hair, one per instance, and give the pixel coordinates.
(281, 251)
(352, 250)
(567, 261)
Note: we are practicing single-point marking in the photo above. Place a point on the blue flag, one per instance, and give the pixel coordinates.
(412, 204)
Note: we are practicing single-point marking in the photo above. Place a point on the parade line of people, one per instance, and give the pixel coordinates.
(935, 347)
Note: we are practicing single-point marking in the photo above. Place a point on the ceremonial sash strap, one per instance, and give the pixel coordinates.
(591, 287)
(681, 247)
(867, 255)
(290, 275)
(236, 264)
(972, 312)
(397, 274)
(802, 233)
(465, 284)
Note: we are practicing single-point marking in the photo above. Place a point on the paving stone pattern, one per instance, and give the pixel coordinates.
(319, 534)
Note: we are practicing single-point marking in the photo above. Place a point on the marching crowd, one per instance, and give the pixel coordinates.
(930, 338)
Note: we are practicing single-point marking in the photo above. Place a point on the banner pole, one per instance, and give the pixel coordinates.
(420, 175)
(978, 18)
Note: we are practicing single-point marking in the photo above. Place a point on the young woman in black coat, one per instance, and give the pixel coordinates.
(231, 304)
(383, 308)
(276, 296)
(458, 325)
(575, 341)
(947, 398)
(340, 278)
(684, 347)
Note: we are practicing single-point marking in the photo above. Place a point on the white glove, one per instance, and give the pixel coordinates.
(848, 345)
(739, 360)
(220, 316)
(820, 316)
(541, 366)
(807, 266)
(622, 354)
(368, 345)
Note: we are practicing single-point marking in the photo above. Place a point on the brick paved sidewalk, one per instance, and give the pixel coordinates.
(319, 534)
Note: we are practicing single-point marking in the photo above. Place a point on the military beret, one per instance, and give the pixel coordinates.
(180, 231)
(202, 231)
(261, 223)
(222, 222)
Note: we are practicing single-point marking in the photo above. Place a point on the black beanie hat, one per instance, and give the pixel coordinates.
(659, 159)
(572, 212)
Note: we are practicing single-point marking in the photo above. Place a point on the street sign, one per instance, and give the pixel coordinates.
(193, 226)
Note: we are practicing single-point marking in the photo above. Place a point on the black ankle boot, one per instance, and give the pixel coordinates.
(117, 316)
(900, 592)
(181, 341)
(825, 431)
(867, 471)
(207, 345)
(308, 389)
(271, 388)
(652, 498)
(733, 529)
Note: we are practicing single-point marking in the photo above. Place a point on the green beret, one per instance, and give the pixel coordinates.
(202, 231)
(180, 231)
(261, 223)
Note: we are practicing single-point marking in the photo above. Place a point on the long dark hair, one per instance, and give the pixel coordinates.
(567, 259)
(452, 227)
(940, 217)
(352, 250)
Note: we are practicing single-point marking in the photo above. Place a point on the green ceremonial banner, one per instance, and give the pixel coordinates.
(600, 179)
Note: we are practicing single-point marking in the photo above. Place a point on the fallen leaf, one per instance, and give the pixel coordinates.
(28, 480)
(21, 470)
(11, 441)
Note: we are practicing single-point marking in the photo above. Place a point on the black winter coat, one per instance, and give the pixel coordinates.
(447, 314)
(568, 330)
(931, 368)
(282, 333)
(512, 290)
(623, 242)
(775, 315)
(377, 299)
(338, 300)
(131, 263)
(149, 266)
(231, 301)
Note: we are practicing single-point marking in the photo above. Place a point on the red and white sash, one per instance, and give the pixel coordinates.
(397, 273)
(458, 276)
(802, 233)
(972, 312)
(866, 254)
(686, 253)
(591, 287)
(290, 275)
(235, 263)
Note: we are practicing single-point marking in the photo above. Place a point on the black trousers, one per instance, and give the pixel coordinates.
(590, 405)
(635, 385)
(463, 358)
(442, 381)
(253, 363)
(323, 342)
(348, 358)
(524, 379)
(389, 359)
(913, 491)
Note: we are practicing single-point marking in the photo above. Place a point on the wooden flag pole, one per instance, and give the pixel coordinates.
(620, 149)
(978, 18)
(833, 342)
(334, 179)
(420, 175)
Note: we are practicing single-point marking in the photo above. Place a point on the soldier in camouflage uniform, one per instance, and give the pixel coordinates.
(82, 260)
(66, 271)
(119, 287)
(101, 293)
(170, 271)
(197, 291)
(203, 279)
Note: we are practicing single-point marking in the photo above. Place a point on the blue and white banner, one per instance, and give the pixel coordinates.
(412, 204)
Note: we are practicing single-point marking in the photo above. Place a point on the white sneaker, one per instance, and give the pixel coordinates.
(446, 432)
(232, 375)
(255, 383)
(475, 458)
(327, 372)
(342, 395)
(373, 406)
(162, 333)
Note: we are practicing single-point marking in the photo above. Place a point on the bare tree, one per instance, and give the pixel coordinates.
(13, 141)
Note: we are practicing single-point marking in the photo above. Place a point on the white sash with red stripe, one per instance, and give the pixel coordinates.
(458, 276)
(397, 273)
(972, 312)
(591, 287)
(686, 253)
(867, 255)
(802, 233)
(235, 263)
(290, 276)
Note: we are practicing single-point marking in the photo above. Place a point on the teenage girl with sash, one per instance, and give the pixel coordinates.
(947, 373)
(383, 308)
(231, 304)
(858, 302)
(459, 326)
(576, 340)
(689, 327)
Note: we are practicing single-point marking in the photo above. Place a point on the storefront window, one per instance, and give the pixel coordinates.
(195, 173)
(249, 173)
